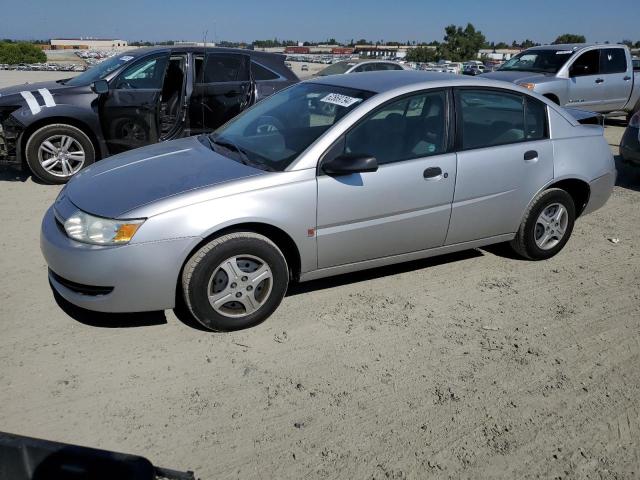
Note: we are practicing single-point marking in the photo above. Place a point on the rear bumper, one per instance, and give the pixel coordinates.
(601, 189)
(630, 146)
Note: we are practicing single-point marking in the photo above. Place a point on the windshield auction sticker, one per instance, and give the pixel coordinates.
(341, 100)
(126, 58)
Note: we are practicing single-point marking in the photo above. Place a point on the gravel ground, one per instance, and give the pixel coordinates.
(473, 365)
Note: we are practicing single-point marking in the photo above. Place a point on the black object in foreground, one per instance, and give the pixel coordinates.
(26, 458)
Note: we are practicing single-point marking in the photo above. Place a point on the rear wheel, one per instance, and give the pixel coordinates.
(55, 153)
(234, 282)
(547, 225)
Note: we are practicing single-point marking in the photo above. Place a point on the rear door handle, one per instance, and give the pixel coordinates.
(599, 80)
(432, 173)
(627, 78)
(530, 156)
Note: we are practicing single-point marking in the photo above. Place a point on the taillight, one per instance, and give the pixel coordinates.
(635, 121)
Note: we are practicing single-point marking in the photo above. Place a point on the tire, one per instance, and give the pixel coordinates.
(244, 298)
(530, 241)
(45, 160)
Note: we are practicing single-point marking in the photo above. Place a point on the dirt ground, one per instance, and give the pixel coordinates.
(473, 365)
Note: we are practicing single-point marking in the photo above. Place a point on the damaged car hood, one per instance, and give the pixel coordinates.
(130, 180)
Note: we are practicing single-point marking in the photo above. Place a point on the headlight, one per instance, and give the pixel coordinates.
(528, 86)
(100, 231)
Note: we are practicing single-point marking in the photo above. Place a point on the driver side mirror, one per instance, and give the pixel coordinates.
(347, 164)
(100, 86)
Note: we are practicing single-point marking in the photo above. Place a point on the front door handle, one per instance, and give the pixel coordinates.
(599, 80)
(627, 78)
(530, 156)
(432, 173)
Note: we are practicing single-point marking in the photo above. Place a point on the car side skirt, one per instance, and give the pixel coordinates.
(405, 257)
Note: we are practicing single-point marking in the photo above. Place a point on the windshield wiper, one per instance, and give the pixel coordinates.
(231, 145)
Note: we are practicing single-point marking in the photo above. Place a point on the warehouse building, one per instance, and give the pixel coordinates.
(86, 43)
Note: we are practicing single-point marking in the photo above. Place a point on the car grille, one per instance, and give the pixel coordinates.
(92, 290)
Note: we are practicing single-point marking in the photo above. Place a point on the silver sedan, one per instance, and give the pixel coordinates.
(329, 176)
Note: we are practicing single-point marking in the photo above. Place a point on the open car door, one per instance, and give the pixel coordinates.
(223, 89)
(130, 111)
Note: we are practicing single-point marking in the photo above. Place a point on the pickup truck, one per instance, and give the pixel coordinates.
(599, 78)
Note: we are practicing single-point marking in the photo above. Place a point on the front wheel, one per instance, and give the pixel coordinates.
(547, 225)
(236, 281)
(55, 153)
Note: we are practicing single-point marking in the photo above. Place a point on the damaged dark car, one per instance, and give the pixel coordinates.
(130, 100)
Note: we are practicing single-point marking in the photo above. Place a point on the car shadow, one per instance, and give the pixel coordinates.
(628, 175)
(109, 320)
(8, 174)
(380, 272)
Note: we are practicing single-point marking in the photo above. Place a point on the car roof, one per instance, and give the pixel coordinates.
(384, 81)
(268, 59)
(573, 46)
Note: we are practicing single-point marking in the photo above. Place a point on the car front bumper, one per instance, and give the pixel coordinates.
(124, 278)
(630, 146)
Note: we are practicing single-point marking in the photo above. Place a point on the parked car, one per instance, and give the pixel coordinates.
(630, 143)
(599, 78)
(358, 66)
(474, 70)
(289, 192)
(130, 100)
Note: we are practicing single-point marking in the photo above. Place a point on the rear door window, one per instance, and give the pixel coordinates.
(613, 60)
(221, 68)
(489, 118)
(261, 73)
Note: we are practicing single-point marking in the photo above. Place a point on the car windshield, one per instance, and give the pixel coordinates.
(336, 69)
(543, 61)
(274, 132)
(99, 71)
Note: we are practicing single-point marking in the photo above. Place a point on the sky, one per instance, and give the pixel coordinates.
(246, 20)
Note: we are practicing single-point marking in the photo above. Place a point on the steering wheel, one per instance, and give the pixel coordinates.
(268, 124)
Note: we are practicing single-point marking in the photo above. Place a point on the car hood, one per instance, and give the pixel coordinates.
(9, 95)
(117, 185)
(516, 77)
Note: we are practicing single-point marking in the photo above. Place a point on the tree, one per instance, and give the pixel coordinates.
(461, 44)
(528, 44)
(21, 52)
(570, 38)
(628, 43)
(422, 55)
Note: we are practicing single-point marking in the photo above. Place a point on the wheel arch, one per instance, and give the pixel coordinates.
(577, 188)
(282, 239)
(74, 122)
(553, 97)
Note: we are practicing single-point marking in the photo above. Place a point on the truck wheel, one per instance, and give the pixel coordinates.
(546, 226)
(235, 281)
(56, 152)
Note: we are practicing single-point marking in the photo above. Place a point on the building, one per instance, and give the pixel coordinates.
(500, 54)
(87, 43)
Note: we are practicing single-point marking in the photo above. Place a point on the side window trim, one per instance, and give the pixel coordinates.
(458, 117)
(449, 126)
(279, 77)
